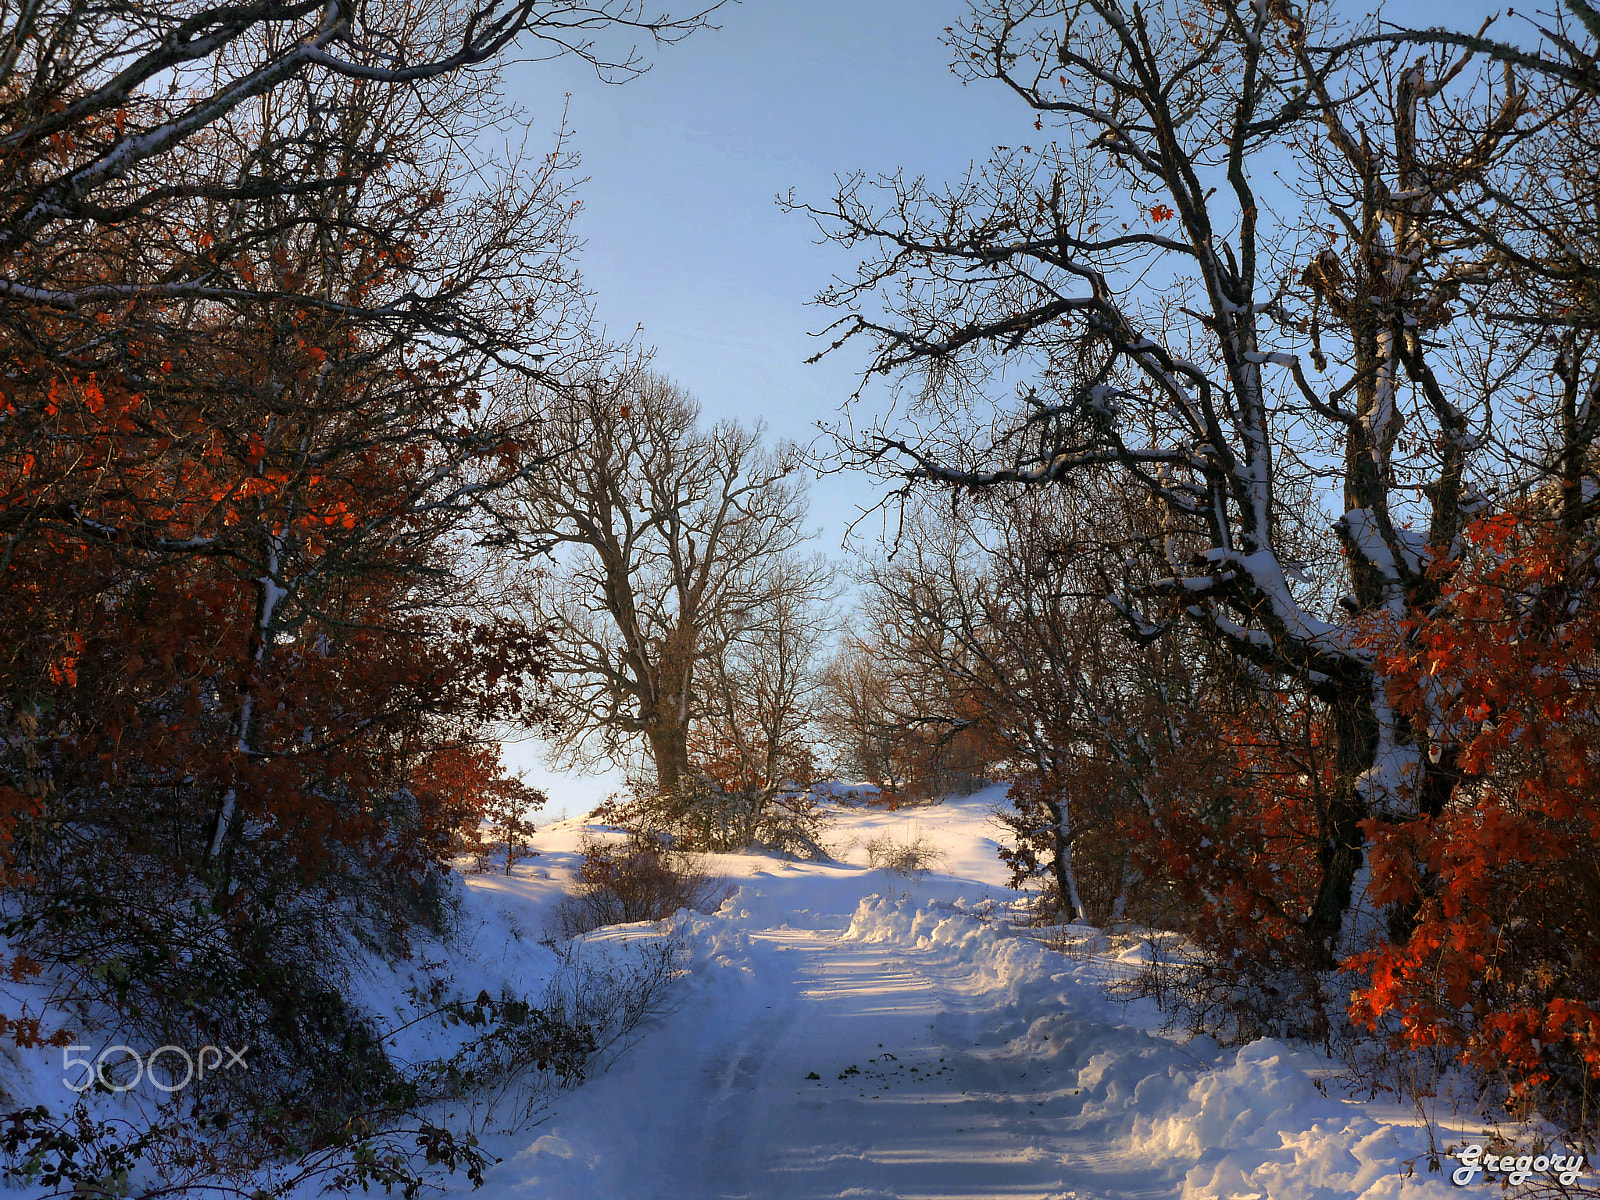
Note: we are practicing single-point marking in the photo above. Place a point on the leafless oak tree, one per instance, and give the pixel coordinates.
(996, 605)
(856, 715)
(118, 112)
(311, 170)
(672, 545)
(756, 729)
(894, 705)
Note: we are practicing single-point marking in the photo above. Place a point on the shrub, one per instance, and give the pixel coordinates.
(641, 880)
(516, 1054)
(505, 828)
(702, 815)
(1492, 882)
(911, 855)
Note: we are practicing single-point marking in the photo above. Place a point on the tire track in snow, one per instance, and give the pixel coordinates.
(730, 1124)
(900, 1111)
(956, 1060)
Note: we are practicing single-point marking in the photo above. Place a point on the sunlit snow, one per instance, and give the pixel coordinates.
(956, 1055)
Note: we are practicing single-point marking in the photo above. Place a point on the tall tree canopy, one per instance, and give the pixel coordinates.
(673, 562)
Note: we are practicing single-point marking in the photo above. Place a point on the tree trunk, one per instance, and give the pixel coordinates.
(1339, 849)
(1061, 860)
(669, 750)
(668, 730)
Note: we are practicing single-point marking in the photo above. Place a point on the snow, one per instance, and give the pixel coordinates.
(1276, 359)
(1102, 400)
(957, 1056)
(957, 1052)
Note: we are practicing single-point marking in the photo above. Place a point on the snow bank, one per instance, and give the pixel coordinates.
(718, 949)
(1243, 1124)
(995, 956)
(1257, 1126)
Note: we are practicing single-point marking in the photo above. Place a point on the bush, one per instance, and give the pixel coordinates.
(1491, 955)
(911, 855)
(642, 880)
(702, 815)
(517, 1053)
(170, 965)
(504, 828)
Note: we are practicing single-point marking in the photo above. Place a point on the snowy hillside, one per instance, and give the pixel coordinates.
(847, 1032)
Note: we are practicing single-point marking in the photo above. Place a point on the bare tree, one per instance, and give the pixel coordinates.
(898, 701)
(996, 605)
(671, 543)
(1149, 295)
(854, 715)
(118, 114)
(756, 729)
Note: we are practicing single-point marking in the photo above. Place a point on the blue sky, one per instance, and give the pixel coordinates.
(683, 234)
(684, 239)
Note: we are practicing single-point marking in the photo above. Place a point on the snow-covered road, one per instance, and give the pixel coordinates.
(908, 1102)
(954, 1057)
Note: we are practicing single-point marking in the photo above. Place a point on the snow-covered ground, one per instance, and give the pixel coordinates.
(846, 1032)
(842, 1031)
